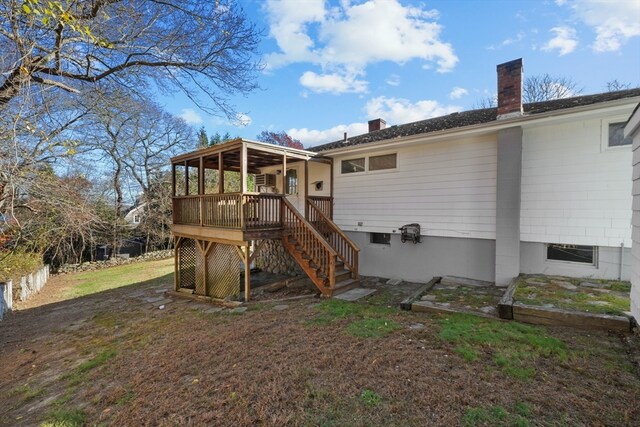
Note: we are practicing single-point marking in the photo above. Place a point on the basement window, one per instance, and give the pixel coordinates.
(353, 165)
(380, 238)
(388, 161)
(572, 253)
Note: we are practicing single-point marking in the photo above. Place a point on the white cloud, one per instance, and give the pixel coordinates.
(392, 110)
(393, 80)
(332, 83)
(311, 137)
(508, 41)
(241, 120)
(565, 40)
(614, 21)
(400, 110)
(190, 116)
(458, 92)
(345, 39)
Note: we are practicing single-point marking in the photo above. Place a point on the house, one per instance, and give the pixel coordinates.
(632, 130)
(535, 188)
(133, 218)
(491, 193)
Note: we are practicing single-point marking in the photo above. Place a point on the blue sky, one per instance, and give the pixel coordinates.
(330, 66)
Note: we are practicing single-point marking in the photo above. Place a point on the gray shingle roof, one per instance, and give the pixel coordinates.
(473, 117)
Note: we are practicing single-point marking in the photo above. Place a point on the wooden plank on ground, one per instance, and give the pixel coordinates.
(429, 307)
(505, 305)
(406, 303)
(558, 317)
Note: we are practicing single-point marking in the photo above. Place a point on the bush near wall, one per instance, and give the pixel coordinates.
(17, 264)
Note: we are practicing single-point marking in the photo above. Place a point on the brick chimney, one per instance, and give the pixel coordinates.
(377, 124)
(509, 89)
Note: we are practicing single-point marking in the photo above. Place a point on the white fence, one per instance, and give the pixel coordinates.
(30, 285)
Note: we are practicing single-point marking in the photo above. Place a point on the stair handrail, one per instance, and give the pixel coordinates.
(351, 263)
(329, 270)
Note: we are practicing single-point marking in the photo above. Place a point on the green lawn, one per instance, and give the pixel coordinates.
(91, 282)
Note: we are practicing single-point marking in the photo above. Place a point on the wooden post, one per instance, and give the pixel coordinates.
(247, 273)
(176, 273)
(173, 180)
(186, 178)
(221, 172)
(284, 173)
(331, 191)
(201, 190)
(306, 188)
(243, 168)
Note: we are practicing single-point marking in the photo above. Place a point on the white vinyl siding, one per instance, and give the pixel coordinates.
(573, 190)
(449, 188)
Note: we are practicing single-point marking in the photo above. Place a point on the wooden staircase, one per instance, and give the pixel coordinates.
(326, 255)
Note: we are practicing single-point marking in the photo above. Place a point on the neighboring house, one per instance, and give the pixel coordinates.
(536, 188)
(632, 130)
(134, 217)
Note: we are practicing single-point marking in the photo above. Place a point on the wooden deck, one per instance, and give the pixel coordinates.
(214, 228)
(238, 217)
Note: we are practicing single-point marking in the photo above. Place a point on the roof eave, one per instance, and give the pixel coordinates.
(487, 127)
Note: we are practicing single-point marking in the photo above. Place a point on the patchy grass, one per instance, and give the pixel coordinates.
(65, 418)
(512, 346)
(370, 398)
(582, 299)
(92, 282)
(100, 359)
(518, 416)
(136, 365)
(365, 320)
(27, 392)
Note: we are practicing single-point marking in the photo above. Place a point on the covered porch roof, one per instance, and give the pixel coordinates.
(240, 152)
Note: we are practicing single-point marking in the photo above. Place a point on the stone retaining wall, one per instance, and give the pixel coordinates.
(274, 258)
(97, 265)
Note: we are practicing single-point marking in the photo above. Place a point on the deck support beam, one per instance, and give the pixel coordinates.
(247, 273)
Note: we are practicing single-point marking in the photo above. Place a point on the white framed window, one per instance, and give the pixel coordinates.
(380, 238)
(575, 254)
(386, 161)
(613, 134)
(352, 165)
(379, 162)
(136, 219)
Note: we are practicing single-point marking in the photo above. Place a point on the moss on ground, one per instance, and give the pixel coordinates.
(582, 299)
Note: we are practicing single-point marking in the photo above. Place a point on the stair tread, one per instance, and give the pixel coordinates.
(346, 282)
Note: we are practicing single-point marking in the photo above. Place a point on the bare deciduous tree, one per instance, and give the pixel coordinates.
(175, 44)
(546, 88)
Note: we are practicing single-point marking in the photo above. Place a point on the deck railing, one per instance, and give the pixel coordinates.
(186, 210)
(238, 211)
(324, 203)
(311, 242)
(346, 250)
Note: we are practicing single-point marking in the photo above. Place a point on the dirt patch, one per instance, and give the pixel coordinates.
(117, 358)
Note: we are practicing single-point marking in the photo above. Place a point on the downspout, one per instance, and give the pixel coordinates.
(621, 253)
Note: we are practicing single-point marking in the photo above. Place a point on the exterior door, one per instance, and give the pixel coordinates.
(293, 188)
